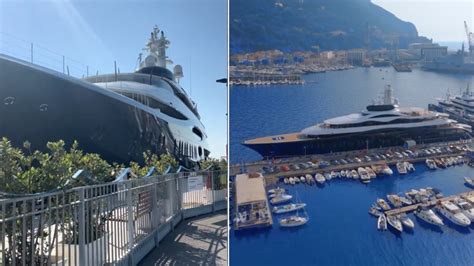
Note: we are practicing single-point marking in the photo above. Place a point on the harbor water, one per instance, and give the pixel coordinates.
(340, 230)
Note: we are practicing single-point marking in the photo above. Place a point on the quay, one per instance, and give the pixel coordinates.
(431, 203)
(252, 208)
(260, 79)
(272, 178)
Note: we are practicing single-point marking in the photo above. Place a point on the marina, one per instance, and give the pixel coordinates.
(337, 204)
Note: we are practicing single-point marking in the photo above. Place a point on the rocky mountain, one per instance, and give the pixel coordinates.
(292, 25)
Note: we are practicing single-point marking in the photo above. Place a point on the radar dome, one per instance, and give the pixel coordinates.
(178, 71)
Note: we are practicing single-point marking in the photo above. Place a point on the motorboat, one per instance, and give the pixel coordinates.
(281, 198)
(453, 213)
(469, 182)
(428, 216)
(395, 223)
(293, 221)
(354, 174)
(405, 200)
(288, 208)
(386, 170)
(466, 208)
(394, 200)
(431, 164)
(291, 180)
(382, 222)
(401, 168)
(375, 211)
(406, 221)
(364, 176)
(309, 179)
(277, 190)
(370, 172)
(320, 179)
(409, 166)
(303, 179)
(286, 181)
(383, 204)
(343, 173)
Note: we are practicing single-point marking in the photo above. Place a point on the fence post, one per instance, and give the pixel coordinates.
(82, 228)
(212, 191)
(130, 221)
(32, 53)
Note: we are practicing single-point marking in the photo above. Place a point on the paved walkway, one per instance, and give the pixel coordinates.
(197, 241)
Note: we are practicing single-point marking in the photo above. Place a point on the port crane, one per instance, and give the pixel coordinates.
(470, 38)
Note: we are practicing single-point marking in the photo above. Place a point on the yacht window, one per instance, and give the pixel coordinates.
(197, 132)
(155, 104)
(388, 115)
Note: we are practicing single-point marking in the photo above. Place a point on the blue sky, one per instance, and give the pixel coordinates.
(95, 33)
(442, 20)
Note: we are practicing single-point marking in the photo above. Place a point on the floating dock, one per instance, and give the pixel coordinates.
(252, 207)
(431, 203)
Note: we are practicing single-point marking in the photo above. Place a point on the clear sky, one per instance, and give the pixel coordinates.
(96, 33)
(442, 20)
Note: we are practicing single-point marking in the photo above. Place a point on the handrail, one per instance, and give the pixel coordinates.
(40, 55)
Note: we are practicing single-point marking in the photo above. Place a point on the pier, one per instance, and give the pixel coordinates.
(252, 208)
(430, 203)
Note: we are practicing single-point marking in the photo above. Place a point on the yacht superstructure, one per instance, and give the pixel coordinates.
(382, 124)
(459, 107)
(118, 115)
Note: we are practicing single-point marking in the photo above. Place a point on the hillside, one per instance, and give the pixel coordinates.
(292, 25)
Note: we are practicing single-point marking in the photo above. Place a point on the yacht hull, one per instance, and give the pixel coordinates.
(39, 106)
(359, 141)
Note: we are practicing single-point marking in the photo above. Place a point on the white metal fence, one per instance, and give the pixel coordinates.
(107, 224)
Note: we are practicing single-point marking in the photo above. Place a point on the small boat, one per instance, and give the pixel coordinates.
(348, 174)
(431, 164)
(453, 213)
(406, 221)
(401, 168)
(466, 208)
(409, 166)
(354, 174)
(405, 200)
(293, 221)
(382, 222)
(320, 179)
(469, 182)
(277, 190)
(303, 180)
(281, 198)
(343, 173)
(288, 208)
(286, 181)
(395, 223)
(383, 204)
(296, 179)
(327, 176)
(440, 163)
(394, 200)
(291, 180)
(370, 172)
(309, 179)
(364, 176)
(375, 212)
(428, 216)
(386, 170)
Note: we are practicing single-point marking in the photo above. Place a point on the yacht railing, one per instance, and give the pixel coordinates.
(39, 55)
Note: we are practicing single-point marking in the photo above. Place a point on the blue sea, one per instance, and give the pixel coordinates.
(340, 230)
